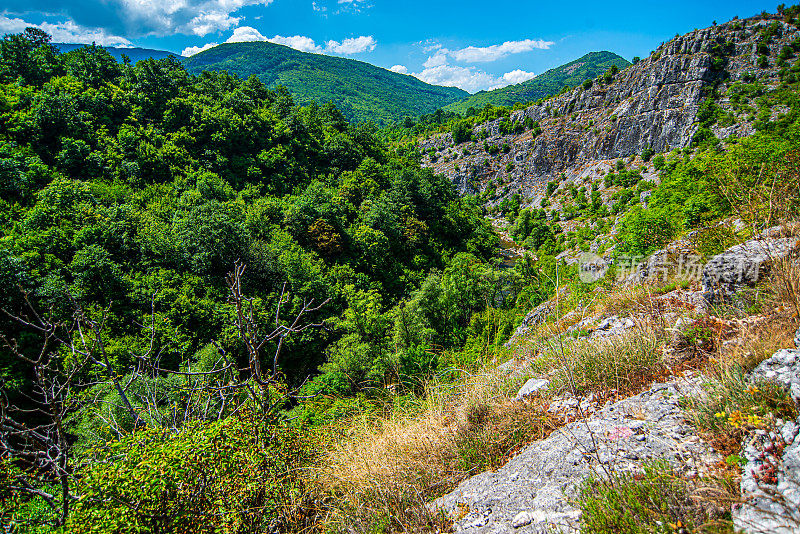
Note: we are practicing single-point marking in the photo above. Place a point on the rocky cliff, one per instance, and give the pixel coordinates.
(653, 104)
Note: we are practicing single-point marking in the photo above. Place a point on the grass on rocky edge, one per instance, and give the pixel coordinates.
(381, 471)
(380, 474)
(656, 500)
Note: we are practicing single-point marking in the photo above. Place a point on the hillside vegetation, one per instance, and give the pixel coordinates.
(362, 92)
(544, 85)
(178, 255)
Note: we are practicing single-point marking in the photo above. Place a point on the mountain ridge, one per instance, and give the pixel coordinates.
(360, 90)
(546, 84)
(135, 53)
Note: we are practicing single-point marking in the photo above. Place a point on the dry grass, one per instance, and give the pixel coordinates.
(658, 499)
(623, 363)
(382, 474)
(783, 285)
(739, 346)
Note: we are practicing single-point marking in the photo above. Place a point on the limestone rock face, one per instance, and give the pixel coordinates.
(534, 318)
(783, 367)
(741, 266)
(652, 104)
(533, 491)
(771, 478)
(532, 386)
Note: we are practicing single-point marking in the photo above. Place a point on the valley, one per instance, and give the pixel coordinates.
(265, 290)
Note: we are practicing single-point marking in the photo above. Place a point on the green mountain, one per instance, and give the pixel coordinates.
(550, 83)
(360, 90)
(135, 54)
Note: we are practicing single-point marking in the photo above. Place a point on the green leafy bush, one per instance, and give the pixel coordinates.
(644, 230)
(234, 475)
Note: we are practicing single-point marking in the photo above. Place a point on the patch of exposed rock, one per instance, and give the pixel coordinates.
(534, 318)
(771, 478)
(743, 266)
(652, 104)
(535, 490)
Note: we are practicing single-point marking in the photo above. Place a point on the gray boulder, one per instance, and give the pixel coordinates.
(532, 386)
(773, 504)
(784, 368)
(742, 266)
(535, 490)
(534, 318)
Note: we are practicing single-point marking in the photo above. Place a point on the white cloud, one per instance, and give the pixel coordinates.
(355, 5)
(206, 23)
(400, 69)
(353, 45)
(436, 60)
(195, 17)
(341, 6)
(192, 50)
(139, 18)
(466, 78)
(298, 42)
(66, 32)
(245, 34)
(475, 54)
(438, 70)
(517, 76)
(430, 45)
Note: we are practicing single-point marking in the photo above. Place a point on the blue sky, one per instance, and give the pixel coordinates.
(469, 44)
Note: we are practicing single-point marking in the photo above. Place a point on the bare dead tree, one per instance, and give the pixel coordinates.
(254, 336)
(34, 432)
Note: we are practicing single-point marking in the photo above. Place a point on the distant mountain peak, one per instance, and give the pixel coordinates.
(360, 90)
(546, 84)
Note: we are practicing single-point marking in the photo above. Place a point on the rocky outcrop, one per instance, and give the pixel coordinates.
(533, 492)
(531, 387)
(771, 478)
(743, 266)
(652, 104)
(534, 318)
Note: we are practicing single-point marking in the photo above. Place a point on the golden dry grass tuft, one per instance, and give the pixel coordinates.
(383, 472)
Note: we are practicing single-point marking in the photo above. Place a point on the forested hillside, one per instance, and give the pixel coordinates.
(544, 85)
(127, 195)
(359, 90)
(228, 307)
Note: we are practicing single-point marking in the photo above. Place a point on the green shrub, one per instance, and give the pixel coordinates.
(645, 230)
(712, 241)
(239, 474)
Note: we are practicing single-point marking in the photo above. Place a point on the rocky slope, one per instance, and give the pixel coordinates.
(538, 489)
(653, 104)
